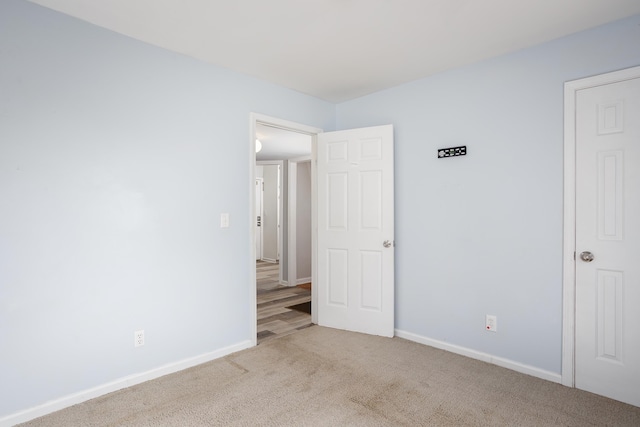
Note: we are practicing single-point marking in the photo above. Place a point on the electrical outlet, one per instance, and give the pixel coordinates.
(491, 323)
(138, 338)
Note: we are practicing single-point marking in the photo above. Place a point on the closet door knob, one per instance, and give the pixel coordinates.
(587, 256)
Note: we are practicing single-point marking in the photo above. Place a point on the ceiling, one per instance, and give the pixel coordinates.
(280, 144)
(338, 50)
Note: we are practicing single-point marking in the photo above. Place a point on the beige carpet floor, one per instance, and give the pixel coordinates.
(325, 377)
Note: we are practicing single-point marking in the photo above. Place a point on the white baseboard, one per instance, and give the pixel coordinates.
(485, 357)
(303, 281)
(270, 260)
(131, 380)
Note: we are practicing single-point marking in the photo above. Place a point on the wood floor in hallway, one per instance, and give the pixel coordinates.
(274, 319)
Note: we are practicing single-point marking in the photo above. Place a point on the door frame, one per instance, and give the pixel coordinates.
(279, 213)
(292, 197)
(569, 216)
(254, 119)
(255, 218)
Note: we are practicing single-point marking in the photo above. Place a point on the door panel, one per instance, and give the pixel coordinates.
(355, 218)
(607, 359)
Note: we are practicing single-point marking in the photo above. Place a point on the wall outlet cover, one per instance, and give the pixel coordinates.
(491, 323)
(138, 338)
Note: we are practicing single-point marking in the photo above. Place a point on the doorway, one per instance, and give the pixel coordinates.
(260, 127)
(601, 283)
(299, 221)
(259, 188)
(269, 214)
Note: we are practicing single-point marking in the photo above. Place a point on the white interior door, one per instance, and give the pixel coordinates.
(271, 213)
(258, 193)
(355, 252)
(607, 331)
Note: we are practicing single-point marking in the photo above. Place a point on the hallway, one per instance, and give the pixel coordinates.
(274, 319)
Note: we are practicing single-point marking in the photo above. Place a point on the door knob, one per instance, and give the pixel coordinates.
(386, 243)
(587, 256)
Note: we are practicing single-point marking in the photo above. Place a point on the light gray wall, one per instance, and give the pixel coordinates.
(303, 220)
(116, 160)
(482, 234)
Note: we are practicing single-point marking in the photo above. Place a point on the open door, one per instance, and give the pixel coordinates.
(607, 318)
(355, 252)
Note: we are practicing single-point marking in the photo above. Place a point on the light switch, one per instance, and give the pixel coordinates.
(224, 220)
